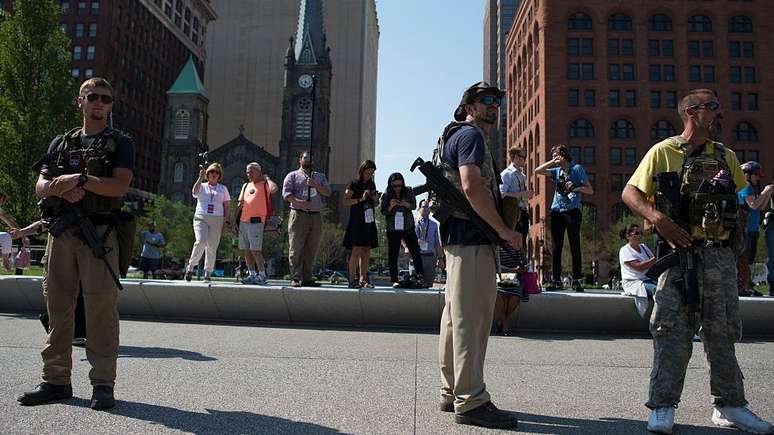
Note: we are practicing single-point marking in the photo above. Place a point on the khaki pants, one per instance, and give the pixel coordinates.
(428, 268)
(69, 264)
(471, 289)
(207, 230)
(304, 231)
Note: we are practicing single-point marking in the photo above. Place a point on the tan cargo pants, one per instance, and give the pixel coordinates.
(304, 233)
(471, 289)
(71, 263)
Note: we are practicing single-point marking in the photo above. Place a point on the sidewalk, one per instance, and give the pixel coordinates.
(213, 378)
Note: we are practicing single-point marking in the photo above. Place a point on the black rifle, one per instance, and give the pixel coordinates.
(71, 214)
(438, 183)
(668, 185)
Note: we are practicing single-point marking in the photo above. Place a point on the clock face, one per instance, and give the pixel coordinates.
(305, 81)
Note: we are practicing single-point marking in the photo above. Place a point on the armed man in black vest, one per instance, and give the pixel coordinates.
(471, 258)
(82, 182)
(693, 180)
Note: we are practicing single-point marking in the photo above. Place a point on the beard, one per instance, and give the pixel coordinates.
(306, 165)
(96, 117)
(487, 117)
(714, 129)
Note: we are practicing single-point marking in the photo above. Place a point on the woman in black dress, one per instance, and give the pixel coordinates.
(362, 198)
(398, 204)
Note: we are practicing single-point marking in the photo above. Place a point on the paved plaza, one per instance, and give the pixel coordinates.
(225, 378)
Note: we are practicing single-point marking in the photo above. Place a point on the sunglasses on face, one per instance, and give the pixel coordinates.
(634, 233)
(397, 185)
(92, 97)
(490, 100)
(711, 106)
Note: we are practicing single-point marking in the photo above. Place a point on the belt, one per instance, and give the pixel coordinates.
(714, 244)
(305, 211)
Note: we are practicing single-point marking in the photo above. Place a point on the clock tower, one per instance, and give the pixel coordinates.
(307, 92)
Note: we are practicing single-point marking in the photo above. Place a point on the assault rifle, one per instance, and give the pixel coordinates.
(668, 185)
(438, 183)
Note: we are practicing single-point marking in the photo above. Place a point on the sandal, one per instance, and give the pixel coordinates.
(366, 284)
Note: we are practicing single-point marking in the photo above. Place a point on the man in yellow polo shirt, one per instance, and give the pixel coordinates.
(695, 157)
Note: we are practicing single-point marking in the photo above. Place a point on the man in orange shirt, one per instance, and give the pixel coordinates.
(255, 204)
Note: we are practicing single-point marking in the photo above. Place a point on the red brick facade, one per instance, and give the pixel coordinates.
(605, 77)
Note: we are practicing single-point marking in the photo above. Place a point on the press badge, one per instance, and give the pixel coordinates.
(399, 221)
(369, 215)
(423, 245)
(210, 208)
(312, 192)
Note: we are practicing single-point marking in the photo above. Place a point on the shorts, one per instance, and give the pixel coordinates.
(5, 243)
(250, 236)
(150, 264)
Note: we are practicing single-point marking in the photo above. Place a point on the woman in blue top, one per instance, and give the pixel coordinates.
(570, 182)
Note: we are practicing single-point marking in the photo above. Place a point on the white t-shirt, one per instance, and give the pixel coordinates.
(211, 199)
(5, 243)
(631, 279)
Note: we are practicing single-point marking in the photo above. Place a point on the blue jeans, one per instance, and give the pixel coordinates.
(770, 249)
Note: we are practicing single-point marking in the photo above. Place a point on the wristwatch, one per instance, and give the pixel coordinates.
(82, 179)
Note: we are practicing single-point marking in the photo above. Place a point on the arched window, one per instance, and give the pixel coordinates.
(745, 132)
(622, 129)
(182, 124)
(699, 23)
(236, 187)
(304, 118)
(581, 128)
(660, 23)
(662, 130)
(619, 22)
(179, 172)
(579, 21)
(740, 24)
(619, 211)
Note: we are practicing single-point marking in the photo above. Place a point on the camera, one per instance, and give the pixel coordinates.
(203, 159)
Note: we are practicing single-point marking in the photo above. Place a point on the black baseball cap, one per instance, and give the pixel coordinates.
(470, 95)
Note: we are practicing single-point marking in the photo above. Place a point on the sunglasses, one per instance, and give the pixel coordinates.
(711, 106)
(92, 97)
(635, 233)
(490, 100)
(397, 185)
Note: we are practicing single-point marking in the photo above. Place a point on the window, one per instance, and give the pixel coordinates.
(573, 71)
(77, 52)
(589, 97)
(667, 48)
(581, 128)
(620, 210)
(694, 73)
(613, 47)
(630, 156)
(622, 129)
(615, 156)
(616, 182)
(573, 46)
(95, 7)
(736, 101)
(671, 99)
(735, 74)
(654, 73)
(668, 73)
(579, 21)
(587, 71)
(90, 51)
(88, 73)
(81, 8)
(93, 30)
(745, 132)
(752, 102)
(708, 74)
(654, 47)
(628, 71)
(304, 118)
(753, 155)
(75, 72)
(737, 49)
(573, 97)
(65, 7)
(589, 155)
(630, 98)
(693, 49)
(707, 48)
(661, 130)
(78, 30)
(592, 177)
(660, 23)
(614, 72)
(749, 74)
(178, 172)
(655, 99)
(740, 24)
(182, 124)
(627, 47)
(619, 22)
(700, 23)
(614, 98)
(580, 46)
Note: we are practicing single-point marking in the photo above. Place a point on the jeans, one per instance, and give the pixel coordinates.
(770, 249)
(393, 250)
(569, 221)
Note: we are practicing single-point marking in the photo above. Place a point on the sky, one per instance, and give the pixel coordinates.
(429, 52)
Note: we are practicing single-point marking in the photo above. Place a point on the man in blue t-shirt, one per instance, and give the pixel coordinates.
(750, 199)
(570, 182)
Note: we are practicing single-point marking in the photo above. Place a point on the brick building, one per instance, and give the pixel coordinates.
(608, 79)
(140, 47)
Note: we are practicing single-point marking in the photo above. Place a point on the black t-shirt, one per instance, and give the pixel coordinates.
(464, 147)
(123, 157)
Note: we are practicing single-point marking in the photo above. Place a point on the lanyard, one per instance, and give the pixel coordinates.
(212, 192)
(423, 234)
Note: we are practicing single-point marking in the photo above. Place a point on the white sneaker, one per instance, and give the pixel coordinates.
(261, 280)
(250, 279)
(662, 420)
(741, 418)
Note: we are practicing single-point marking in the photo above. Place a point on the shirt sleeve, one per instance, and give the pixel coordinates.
(470, 148)
(226, 194)
(322, 180)
(124, 155)
(744, 193)
(625, 255)
(509, 182)
(51, 147)
(287, 186)
(580, 174)
(736, 170)
(642, 178)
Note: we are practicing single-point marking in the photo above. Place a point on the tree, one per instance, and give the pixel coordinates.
(36, 96)
(331, 249)
(174, 221)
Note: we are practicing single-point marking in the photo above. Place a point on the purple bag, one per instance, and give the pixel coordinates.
(529, 282)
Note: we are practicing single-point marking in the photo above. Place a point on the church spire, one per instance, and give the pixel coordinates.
(310, 39)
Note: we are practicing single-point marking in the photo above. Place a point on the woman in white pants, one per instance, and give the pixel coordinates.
(212, 205)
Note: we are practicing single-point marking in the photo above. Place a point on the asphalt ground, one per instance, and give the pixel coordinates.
(226, 378)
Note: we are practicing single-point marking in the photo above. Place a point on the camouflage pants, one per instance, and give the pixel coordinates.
(673, 326)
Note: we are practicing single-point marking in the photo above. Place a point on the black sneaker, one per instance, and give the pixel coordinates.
(745, 293)
(554, 286)
(445, 406)
(487, 415)
(295, 283)
(45, 393)
(354, 283)
(311, 283)
(102, 397)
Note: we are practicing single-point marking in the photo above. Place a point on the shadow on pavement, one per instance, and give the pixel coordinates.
(161, 352)
(214, 421)
(543, 424)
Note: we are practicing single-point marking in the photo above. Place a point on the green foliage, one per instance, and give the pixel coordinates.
(174, 220)
(331, 252)
(36, 96)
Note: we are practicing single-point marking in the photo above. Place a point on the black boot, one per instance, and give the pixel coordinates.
(45, 393)
(771, 289)
(487, 415)
(102, 397)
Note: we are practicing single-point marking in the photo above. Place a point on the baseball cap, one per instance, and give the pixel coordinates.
(470, 95)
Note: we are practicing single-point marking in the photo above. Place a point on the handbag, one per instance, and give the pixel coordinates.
(22, 260)
(529, 282)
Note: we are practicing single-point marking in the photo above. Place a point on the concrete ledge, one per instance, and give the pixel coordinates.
(575, 312)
